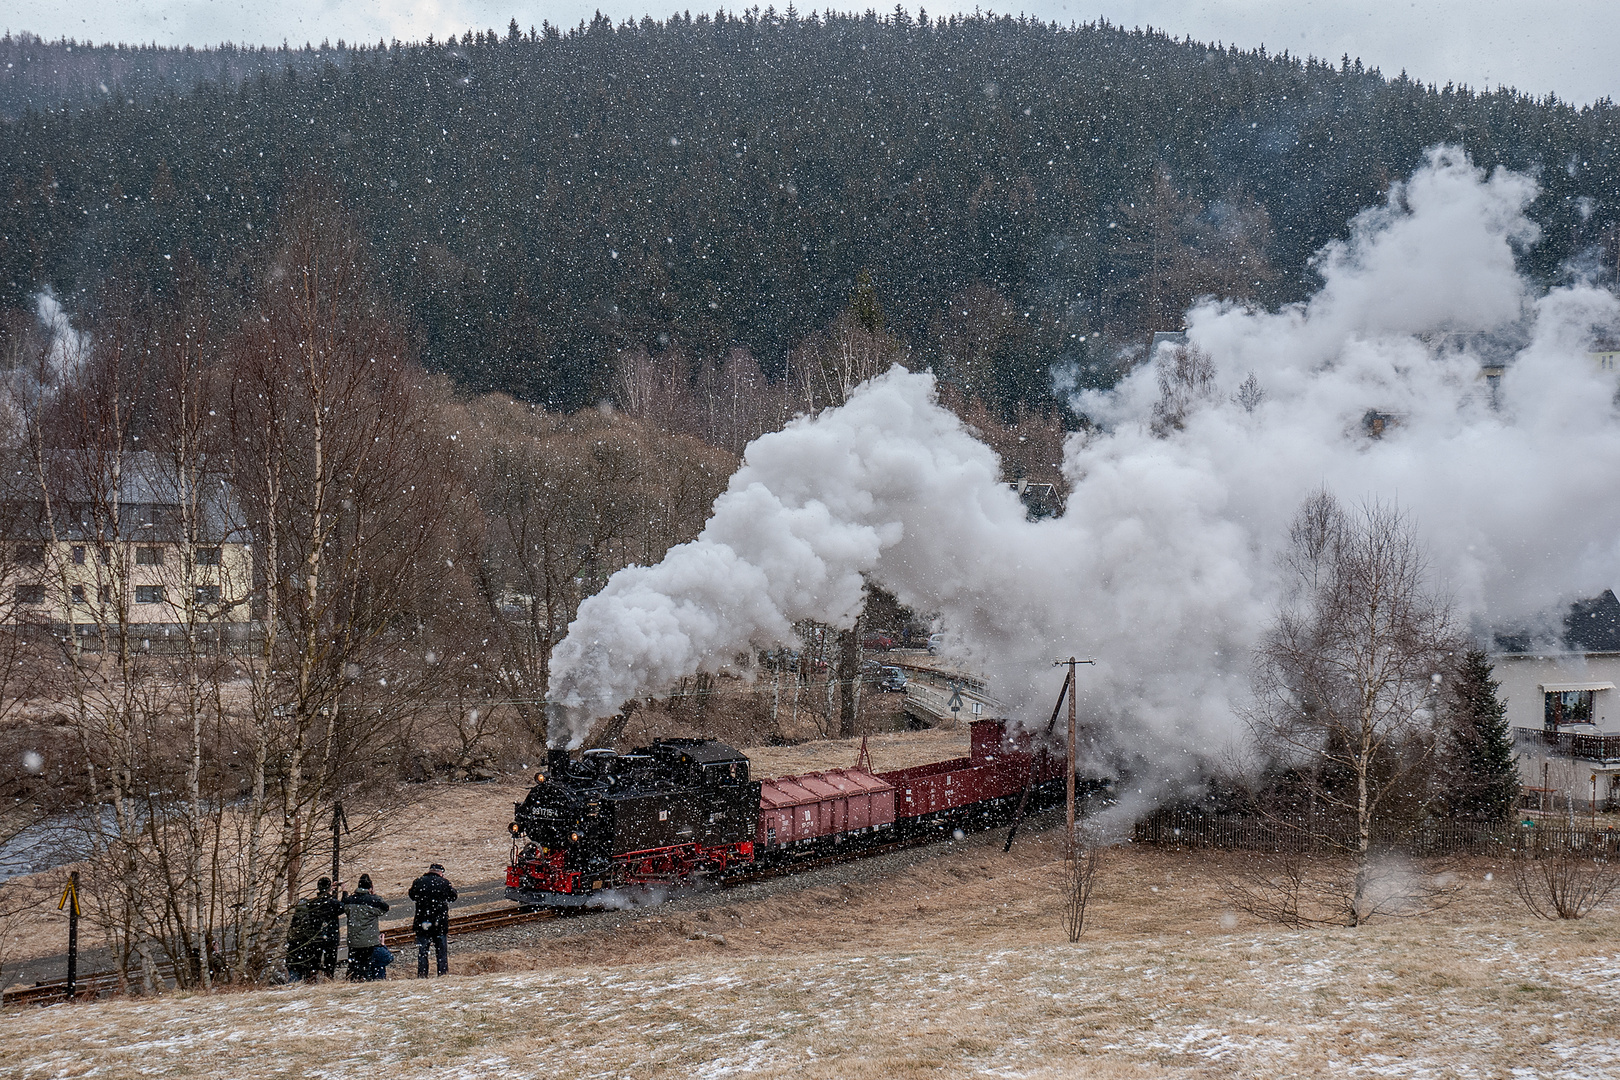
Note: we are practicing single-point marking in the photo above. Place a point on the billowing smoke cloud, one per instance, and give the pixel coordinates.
(67, 348)
(49, 361)
(1164, 566)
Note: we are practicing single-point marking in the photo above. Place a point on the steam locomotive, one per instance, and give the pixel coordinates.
(609, 828)
(657, 815)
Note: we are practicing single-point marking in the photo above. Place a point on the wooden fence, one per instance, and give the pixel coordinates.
(1319, 836)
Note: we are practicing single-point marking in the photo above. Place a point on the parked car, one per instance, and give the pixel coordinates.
(892, 680)
(878, 640)
(936, 642)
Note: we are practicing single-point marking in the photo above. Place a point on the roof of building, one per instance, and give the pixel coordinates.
(1594, 625)
(148, 497)
(1589, 626)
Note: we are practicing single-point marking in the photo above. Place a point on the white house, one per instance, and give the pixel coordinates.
(1564, 708)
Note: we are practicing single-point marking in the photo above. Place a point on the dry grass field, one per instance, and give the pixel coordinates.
(463, 826)
(955, 966)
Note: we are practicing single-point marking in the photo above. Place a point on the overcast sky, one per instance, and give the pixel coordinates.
(1569, 48)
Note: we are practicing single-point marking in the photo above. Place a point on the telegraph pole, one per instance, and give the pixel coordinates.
(1071, 662)
(1078, 873)
(1070, 775)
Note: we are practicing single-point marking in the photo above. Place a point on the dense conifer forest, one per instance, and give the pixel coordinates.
(997, 195)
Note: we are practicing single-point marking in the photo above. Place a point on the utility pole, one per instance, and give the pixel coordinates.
(1071, 662)
(1070, 775)
(1079, 873)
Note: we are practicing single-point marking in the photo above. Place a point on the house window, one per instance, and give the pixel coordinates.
(1567, 707)
(103, 594)
(208, 556)
(149, 594)
(148, 556)
(78, 594)
(31, 554)
(207, 594)
(30, 594)
(78, 554)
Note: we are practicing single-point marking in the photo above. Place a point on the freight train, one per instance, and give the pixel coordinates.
(610, 828)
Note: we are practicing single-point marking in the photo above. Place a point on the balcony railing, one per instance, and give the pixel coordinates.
(1599, 748)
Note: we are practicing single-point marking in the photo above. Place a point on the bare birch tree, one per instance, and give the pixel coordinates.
(1346, 682)
(341, 466)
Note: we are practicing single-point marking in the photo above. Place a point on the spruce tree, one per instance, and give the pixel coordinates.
(1485, 782)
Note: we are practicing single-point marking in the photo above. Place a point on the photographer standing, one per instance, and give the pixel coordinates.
(433, 896)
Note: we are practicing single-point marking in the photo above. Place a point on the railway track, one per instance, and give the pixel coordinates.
(101, 982)
(95, 984)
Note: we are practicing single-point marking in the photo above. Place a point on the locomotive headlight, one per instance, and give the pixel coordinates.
(574, 836)
(539, 777)
(515, 828)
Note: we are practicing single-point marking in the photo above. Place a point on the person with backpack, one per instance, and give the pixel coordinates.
(368, 956)
(312, 939)
(433, 895)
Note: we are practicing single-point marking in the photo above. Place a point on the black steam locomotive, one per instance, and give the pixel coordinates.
(658, 816)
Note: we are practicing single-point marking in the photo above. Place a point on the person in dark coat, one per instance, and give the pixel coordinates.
(433, 896)
(312, 939)
(302, 957)
(368, 956)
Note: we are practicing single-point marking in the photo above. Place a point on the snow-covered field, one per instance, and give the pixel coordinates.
(916, 976)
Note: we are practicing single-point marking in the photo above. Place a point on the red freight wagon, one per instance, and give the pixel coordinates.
(840, 802)
(949, 785)
(999, 767)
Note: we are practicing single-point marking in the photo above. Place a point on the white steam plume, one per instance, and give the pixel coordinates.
(1164, 565)
(67, 349)
(62, 353)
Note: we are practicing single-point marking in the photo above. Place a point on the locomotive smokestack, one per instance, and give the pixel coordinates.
(556, 761)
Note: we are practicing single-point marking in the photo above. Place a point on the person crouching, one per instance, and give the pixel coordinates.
(368, 956)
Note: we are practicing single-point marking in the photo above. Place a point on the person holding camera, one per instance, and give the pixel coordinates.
(433, 895)
(368, 956)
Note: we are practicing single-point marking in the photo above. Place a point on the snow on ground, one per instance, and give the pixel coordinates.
(1432, 998)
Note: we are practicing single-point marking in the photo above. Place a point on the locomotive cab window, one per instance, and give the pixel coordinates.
(725, 774)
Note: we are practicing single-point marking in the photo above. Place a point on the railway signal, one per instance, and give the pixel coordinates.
(339, 821)
(70, 900)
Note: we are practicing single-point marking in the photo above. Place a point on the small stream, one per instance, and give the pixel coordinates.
(57, 840)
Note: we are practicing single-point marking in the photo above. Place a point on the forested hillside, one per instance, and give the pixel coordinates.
(545, 204)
